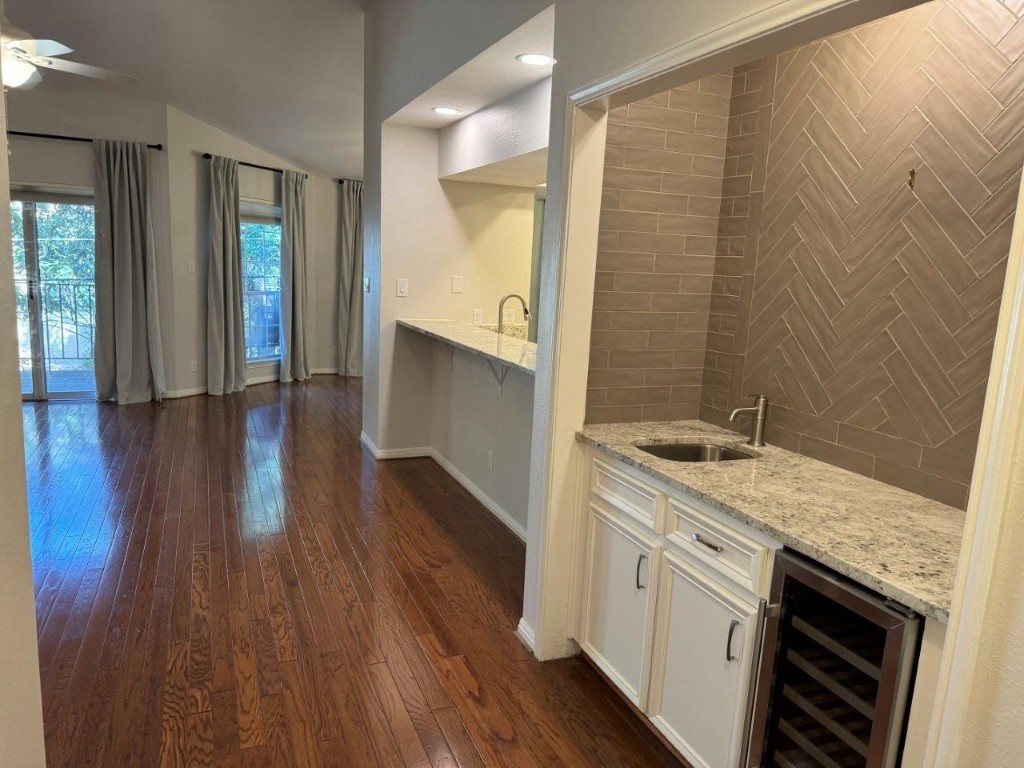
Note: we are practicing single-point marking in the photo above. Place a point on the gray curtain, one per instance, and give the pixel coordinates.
(294, 361)
(350, 291)
(128, 355)
(225, 332)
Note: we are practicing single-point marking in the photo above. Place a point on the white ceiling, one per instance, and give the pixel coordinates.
(285, 76)
(485, 79)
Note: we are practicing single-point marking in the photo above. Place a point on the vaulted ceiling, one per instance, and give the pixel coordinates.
(285, 76)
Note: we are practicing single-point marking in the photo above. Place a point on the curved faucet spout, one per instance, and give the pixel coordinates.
(760, 414)
(501, 310)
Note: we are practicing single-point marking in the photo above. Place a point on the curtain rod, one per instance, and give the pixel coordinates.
(207, 156)
(59, 137)
(342, 181)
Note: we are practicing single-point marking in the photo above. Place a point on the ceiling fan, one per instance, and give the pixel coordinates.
(24, 56)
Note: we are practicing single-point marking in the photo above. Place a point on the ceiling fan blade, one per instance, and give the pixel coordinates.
(87, 70)
(38, 47)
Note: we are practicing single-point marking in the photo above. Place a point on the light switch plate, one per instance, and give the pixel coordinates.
(402, 287)
(456, 283)
(478, 316)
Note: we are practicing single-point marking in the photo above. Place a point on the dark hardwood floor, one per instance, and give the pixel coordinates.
(233, 581)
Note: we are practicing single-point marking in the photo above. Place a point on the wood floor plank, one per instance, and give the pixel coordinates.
(243, 653)
(235, 582)
(399, 720)
(458, 739)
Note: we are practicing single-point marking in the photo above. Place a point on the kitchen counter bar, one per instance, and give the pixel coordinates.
(894, 542)
(504, 350)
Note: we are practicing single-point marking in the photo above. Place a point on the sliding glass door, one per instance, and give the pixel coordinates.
(53, 243)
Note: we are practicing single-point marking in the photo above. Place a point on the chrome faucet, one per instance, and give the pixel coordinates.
(501, 310)
(760, 412)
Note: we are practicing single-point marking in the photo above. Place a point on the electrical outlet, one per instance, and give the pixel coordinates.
(478, 316)
(192, 366)
(456, 283)
(191, 266)
(490, 461)
(402, 287)
(510, 315)
(366, 285)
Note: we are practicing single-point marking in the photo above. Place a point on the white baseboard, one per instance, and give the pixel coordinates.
(492, 506)
(393, 453)
(192, 392)
(419, 452)
(266, 378)
(174, 394)
(366, 441)
(525, 634)
(430, 452)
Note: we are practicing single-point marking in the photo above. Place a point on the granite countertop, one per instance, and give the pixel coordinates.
(506, 350)
(894, 542)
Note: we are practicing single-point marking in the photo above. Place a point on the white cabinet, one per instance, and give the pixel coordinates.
(670, 607)
(704, 647)
(618, 602)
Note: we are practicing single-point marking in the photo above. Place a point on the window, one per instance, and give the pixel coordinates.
(260, 231)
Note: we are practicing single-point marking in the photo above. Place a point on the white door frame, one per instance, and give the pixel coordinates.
(552, 586)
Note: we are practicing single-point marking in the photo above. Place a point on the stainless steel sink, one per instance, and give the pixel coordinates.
(694, 452)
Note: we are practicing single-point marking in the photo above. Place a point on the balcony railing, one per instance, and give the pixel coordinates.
(67, 325)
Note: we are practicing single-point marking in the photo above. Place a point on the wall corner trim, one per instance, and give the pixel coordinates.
(525, 634)
(368, 443)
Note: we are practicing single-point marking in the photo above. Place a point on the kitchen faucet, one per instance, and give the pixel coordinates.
(759, 412)
(501, 310)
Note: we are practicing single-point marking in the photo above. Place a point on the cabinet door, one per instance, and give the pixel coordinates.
(701, 672)
(617, 607)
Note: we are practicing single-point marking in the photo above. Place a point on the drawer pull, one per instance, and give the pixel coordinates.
(733, 625)
(698, 539)
(639, 562)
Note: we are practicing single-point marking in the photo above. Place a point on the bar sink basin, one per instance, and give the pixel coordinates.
(694, 452)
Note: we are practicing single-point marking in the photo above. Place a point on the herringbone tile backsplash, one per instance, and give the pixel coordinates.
(864, 308)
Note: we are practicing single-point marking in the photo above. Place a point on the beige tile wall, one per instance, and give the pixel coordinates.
(744, 145)
(864, 308)
(656, 263)
(869, 308)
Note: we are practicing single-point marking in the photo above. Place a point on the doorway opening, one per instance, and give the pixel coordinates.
(53, 245)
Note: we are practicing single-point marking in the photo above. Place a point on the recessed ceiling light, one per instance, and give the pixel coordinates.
(448, 111)
(536, 59)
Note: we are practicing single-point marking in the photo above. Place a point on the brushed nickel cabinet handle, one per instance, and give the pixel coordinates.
(698, 539)
(639, 562)
(733, 625)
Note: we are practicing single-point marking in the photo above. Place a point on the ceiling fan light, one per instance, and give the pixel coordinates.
(16, 72)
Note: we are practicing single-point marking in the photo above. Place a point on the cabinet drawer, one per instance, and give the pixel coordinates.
(725, 548)
(627, 494)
